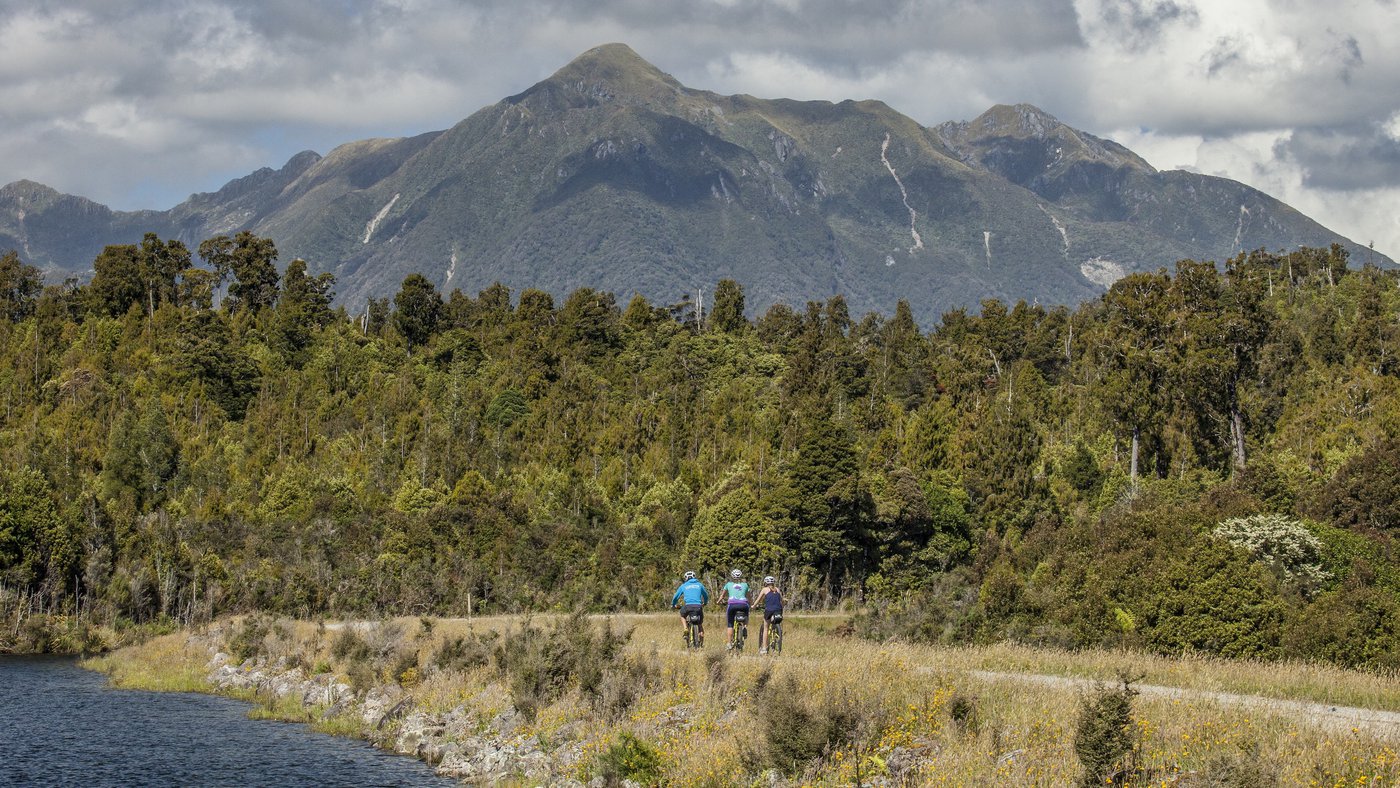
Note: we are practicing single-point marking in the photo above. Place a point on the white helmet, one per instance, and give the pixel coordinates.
(736, 574)
(768, 581)
(689, 575)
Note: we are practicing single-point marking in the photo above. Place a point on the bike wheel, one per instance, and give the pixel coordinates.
(775, 639)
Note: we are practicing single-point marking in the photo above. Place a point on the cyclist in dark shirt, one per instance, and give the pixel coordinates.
(772, 601)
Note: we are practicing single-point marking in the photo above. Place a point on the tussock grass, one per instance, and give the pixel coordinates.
(168, 663)
(833, 710)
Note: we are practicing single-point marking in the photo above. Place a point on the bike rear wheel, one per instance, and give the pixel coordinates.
(775, 638)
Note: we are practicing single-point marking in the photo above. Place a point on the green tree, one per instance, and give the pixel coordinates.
(1131, 348)
(142, 457)
(118, 280)
(734, 534)
(590, 321)
(159, 265)
(417, 309)
(829, 506)
(37, 544)
(20, 284)
(727, 316)
(252, 261)
(1365, 493)
(304, 306)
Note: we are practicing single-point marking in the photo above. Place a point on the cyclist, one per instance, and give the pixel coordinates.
(772, 601)
(692, 596)
(736, 592)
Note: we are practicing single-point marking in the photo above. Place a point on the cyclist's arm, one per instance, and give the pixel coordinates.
(761, 594)
(676, 598)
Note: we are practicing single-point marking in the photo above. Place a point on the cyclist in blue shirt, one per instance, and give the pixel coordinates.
(692, 596)
(736, 591)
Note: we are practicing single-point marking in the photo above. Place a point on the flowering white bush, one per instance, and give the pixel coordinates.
(1282, 543)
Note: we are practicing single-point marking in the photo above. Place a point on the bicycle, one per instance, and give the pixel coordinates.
(741, 630)
(694, 634)
(775, 634)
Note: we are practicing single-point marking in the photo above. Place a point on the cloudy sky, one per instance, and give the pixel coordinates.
(138, 103)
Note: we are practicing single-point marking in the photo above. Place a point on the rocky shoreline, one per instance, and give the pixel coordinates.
(458, 744)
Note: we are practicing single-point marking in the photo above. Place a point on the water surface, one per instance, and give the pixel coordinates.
(62, 725)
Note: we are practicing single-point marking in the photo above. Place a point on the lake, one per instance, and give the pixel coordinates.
(62, 725)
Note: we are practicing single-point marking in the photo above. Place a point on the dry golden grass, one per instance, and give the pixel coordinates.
(168, 663)
(1007, 732)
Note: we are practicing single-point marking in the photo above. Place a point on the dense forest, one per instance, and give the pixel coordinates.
(1201, 460)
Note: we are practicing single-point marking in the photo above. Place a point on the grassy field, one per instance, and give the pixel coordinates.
(832, 709)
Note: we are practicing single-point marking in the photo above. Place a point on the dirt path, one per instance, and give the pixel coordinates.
(1340, 718)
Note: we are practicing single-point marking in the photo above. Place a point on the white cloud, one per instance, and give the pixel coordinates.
(121, 100)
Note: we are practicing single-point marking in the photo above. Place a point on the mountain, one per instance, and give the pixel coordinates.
(612, 174)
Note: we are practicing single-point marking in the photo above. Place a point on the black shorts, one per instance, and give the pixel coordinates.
(733, 609)
(686, 610)
(768, 615)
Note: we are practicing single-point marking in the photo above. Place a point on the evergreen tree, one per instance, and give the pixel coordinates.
(251, 261)
(727, 315)
(20, 284)
(304, 306)
(118, 280)
(417, 309)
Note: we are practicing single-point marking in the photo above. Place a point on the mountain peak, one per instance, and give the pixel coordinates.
(987, 137)
(608, 72)
(27, 189)
(615, 55)
(1016, 120)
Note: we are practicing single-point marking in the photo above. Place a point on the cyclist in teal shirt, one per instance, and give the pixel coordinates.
(736, 591)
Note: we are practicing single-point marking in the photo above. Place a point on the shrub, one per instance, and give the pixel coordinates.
(942, 610)
(630, 758)
(540, 664)
(348, 645)
(1285, 545)
(801, 727)
(361, 676)
(1354, 626)
(1365, 493)
(964, 711)
(249, 639)
(1104, 735)
(624, 683)
(404, 669)
(1181, 608)
(426, 625)
(466, 652)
